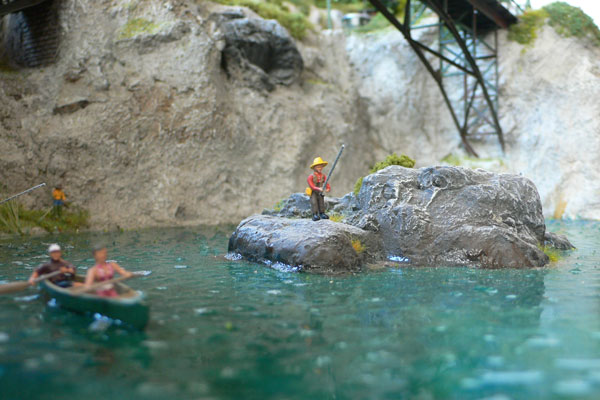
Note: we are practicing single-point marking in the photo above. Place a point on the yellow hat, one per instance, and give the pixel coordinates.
(318, 161)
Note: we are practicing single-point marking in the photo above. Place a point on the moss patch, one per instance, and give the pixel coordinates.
(358, 246)
(336, 217)
(525, 31)
(392, 159)
(138, 26)
(296, 23)
(553, 254)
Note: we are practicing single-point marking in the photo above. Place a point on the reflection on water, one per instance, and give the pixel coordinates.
(232, 329)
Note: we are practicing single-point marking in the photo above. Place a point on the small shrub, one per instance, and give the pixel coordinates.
(392, 159)
(525, 31)
(16, 219)
(571, 21)
(277, 207)
(358, 246)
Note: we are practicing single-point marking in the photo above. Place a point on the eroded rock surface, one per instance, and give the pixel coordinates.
(437, 216)
(322, 246)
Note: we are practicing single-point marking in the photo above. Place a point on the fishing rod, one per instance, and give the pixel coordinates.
(22, 193)
(331, 170)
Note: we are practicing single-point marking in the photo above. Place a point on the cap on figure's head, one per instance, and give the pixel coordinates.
(53, 247)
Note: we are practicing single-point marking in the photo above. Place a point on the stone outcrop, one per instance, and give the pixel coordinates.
(259, 52)
(324, 247)
(436, 216)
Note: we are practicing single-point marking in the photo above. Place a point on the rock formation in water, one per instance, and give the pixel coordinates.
(436, 216)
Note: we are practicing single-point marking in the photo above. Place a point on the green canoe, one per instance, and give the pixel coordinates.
(128, 307)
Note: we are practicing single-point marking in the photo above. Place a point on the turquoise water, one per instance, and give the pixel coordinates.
(235, 330)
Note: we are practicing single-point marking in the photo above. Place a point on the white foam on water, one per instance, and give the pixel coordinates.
(399, 259)
(578, 364)
(511, 296)
(200, 311)
(4, 337)
(180, 267)
(161, 288)
(495, 361)
(279, 266)
(155, 344)
(274, 291)
(233, 256)
(572, 388)
(512, 378)
(27, 298)
(323, 361)
(143, 273)
(375, 300)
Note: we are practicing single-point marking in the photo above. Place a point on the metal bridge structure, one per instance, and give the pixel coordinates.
(29, 32)
(464, 62)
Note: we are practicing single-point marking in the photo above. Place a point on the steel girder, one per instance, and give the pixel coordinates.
(464, 56)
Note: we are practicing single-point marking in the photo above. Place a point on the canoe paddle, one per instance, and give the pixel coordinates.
(13, 287)
(80, 289)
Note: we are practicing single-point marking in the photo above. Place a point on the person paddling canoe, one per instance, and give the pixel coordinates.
(104, 271)
(316, 181)
(56, 263)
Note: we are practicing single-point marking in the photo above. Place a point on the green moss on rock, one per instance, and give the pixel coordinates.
(525, 31)
(568, 21)
(392, 159)
(138, 26)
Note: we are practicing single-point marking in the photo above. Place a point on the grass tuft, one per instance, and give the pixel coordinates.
(138, 26)
(525, 31)
(16, 219)
(336, 217)
(568, 21)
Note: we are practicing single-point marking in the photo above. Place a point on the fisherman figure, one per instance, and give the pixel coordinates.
(316, 180)
(59, 200)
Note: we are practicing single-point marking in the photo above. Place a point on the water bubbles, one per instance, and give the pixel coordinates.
(4, 337)
(578, 364)
(181, 267)
(274, 292)
(201, 311)
(511, 296)
(143, 273)
(161, 288)
(512, 378)
(100, 324)
(323, 361)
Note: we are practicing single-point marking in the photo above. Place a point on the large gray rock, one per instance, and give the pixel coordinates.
(323, 246)
(259, 52)
(454, 216)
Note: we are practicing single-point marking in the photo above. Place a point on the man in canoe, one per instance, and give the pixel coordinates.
(104, 271)
(56, 263)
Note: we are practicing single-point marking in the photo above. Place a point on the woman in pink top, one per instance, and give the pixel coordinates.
(104, 271)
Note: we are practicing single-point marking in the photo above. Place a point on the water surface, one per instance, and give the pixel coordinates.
(236, 330)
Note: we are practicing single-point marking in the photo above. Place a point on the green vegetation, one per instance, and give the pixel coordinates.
(336, 217)
(277, 207)
(296, 23)
(572, 21)
(525, 31)
(552, 253)
(565, 19)
(137, 26)
(473, 162)
(378, 22)
(392, 159)
(14, 218)
(358, 246)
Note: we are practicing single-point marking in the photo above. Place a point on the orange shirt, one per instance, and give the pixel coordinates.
(58, 194)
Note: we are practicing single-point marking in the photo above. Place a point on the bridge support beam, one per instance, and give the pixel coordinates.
(463, 55)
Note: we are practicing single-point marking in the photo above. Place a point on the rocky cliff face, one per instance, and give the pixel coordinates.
(144, 125)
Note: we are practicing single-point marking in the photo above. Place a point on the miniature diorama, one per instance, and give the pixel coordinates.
(264, 199)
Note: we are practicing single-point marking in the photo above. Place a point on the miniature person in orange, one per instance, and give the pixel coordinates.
(104, 271)
(59, 200)
(316, 181)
